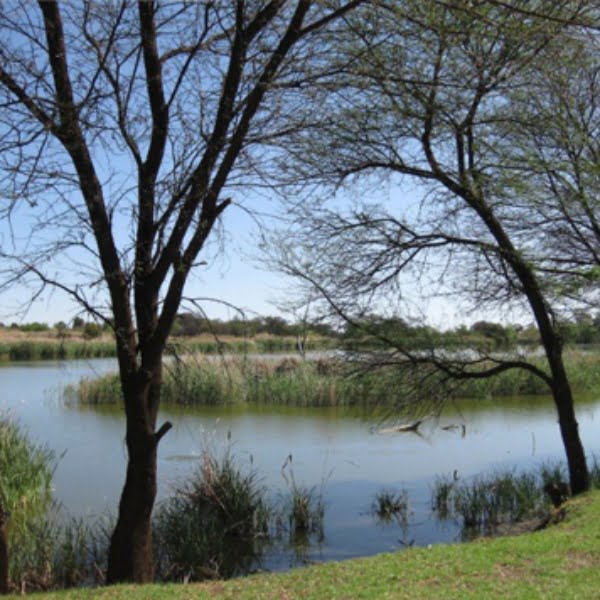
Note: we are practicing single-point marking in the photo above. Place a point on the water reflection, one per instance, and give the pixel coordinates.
(328, 444)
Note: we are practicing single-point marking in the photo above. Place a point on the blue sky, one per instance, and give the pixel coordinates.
(235, 273)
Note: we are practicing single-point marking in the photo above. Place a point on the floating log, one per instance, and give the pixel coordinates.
(404, 428)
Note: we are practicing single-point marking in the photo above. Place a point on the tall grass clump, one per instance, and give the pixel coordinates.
(203, 382)
(46, 550)
(57, 553)
(389, 505)
(485, 502)
(215, 525)
(26, 471)
(302, 511)
(105, 389)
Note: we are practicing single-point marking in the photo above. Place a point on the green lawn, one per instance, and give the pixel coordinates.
(560, 562)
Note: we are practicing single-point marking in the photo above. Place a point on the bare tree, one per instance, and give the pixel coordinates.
(435, 93)
(126, 131)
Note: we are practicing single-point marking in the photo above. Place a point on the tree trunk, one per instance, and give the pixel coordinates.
(130, 552)
(553, 347)
(579, 478)
(4, 580)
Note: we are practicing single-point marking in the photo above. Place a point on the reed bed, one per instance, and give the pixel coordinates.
(215, 525)
(583, 369)
(289, 381)
(317, 383)
(49, 348)
(55, 350)
(486, 502)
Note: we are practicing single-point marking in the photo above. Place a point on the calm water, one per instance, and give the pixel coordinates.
(332, 448)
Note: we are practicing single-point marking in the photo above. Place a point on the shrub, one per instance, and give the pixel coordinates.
(91, 331)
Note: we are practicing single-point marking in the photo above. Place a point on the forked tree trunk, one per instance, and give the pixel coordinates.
(4, 580)
(130, 553)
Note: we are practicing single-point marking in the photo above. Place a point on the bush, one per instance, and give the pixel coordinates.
(91, 331)
(35, 326)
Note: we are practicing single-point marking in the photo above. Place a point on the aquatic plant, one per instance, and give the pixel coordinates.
(216, 523)
(325, 382)
(487, 501)
(302, 507)
(388, 505)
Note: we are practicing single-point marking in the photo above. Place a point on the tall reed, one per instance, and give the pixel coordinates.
(487, 501)
(26, 472)
(324, 382)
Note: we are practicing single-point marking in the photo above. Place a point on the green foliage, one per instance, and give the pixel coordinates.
(216, 524)
(317, 383)
(91, 331)
(55, 552)
(189, 324)
(485, 502)
(388, 505)
(35, 326)
(25, 476)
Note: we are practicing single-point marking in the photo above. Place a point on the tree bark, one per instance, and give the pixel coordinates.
(130, 553)
(579, 478)
(552, 343)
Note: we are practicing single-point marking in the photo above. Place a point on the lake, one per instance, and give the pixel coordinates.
(333, 449)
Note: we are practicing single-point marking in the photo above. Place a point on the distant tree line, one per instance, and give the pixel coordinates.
(190, 324)
(582, 328)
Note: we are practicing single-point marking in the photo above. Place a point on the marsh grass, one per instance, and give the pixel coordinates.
(47, 346)
(487, 501)
(26, 471)
(57, 553)
(238, 380)
(194, 379)
(583, 369)
(302, 510)
(26, 350)
(389, 505)
(45, 551)
(215, 525)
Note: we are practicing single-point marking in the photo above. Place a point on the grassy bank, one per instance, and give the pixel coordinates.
(294, 382)
(559, 562)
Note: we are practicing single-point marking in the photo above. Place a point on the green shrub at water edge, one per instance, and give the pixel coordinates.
(487, 501)
(57, 553)
(25, 476)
